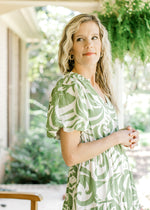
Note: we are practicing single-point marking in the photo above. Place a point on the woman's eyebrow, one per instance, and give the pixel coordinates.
(95, 34)
(79, 35)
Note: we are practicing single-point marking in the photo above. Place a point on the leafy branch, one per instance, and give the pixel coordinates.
(128, 25)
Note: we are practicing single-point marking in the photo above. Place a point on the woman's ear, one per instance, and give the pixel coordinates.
(71, 56)
(71, 52)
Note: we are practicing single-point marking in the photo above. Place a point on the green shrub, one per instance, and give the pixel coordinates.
(36, 158)
(139, 119)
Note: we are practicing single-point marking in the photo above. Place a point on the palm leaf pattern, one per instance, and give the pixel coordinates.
(104, 182)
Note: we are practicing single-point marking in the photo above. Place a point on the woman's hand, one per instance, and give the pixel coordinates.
(133, 137)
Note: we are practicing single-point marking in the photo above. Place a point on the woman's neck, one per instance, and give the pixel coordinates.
(88, 73)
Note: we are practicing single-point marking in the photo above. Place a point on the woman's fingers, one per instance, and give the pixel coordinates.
(134, 134)
(133, 145)
(129, 128)
(133, 137)
(133, 141)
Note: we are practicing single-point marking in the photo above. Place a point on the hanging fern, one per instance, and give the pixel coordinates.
(128, 25)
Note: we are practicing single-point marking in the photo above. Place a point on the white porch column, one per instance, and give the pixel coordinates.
(3, 97)
(3, 85)
(24, 106)
(119, 89)
(13, 86)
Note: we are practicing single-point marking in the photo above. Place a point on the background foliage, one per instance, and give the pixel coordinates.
(43, 65)
(137, 95)
(128, 25)
(35, 158)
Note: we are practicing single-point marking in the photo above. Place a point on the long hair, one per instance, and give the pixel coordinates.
(103, 70)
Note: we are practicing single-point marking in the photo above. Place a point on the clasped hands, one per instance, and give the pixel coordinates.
(132, 137)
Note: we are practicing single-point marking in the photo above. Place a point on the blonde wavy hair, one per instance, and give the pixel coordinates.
(103, 71)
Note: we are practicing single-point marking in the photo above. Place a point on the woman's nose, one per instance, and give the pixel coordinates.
(88, 43)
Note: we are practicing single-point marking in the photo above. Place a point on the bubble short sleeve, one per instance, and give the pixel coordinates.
(67, 108)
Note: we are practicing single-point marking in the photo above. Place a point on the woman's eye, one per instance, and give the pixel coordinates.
(79, 39)
(94, 37)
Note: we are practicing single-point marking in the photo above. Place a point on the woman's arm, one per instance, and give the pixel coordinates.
(74, 152)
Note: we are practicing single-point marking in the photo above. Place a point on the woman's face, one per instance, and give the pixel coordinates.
(86, 44)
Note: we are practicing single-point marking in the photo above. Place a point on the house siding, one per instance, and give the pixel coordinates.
(14, 90)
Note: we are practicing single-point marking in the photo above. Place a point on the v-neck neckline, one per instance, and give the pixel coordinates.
(105, 102)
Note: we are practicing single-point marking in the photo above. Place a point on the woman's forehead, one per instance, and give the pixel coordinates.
(87, 27)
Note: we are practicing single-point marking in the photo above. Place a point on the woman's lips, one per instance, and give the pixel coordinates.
(89, 53)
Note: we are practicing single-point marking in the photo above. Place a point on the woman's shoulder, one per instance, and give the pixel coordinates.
(70, 80)
(67, 79)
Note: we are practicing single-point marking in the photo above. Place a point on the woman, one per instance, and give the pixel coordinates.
(82, 112)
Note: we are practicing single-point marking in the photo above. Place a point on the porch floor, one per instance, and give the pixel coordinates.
(52, 197)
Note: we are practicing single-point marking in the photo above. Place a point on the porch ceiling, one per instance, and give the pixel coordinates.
(84, 6)
(23, 22)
